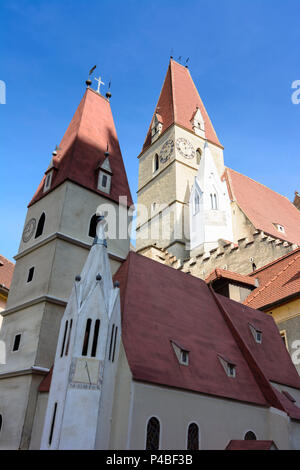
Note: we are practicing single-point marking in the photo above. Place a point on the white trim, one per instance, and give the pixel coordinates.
(187, 434)
(160, 431)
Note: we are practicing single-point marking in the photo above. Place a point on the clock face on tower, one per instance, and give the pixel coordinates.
(29, 230)
(166, 150)
(185, 148)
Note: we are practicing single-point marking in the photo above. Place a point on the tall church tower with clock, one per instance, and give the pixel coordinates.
(169, 161)
(86, 175)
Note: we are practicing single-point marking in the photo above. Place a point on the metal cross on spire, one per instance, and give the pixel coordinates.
(99, 84)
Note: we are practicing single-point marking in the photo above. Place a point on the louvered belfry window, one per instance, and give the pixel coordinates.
(152, 434)
(193, 437)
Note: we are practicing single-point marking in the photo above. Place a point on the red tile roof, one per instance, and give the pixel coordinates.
(6, 271)
(83, 147)
(264, 207)
(160, 304)
(219, 273)
(178, 101)
(278, 281)
(250, 445)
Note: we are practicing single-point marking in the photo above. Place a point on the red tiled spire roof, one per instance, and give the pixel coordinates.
(277, 281)
(6, 272)
(83, 147)
(178, 101)
(264, 207)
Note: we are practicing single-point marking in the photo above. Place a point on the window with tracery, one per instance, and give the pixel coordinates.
(193, 437)
(153, 429)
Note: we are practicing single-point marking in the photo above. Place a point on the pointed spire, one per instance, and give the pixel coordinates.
(178, 102)
(83, 150)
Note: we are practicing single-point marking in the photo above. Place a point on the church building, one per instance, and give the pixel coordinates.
(108, 349)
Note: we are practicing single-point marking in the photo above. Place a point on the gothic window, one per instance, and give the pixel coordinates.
(213, 201)
(193, 437)
(30, 274)
(17, 341)
(93, 226)
(198, 156)
(40, 226)
(153, 429)
(64, 339)
(86, 337)
(95, 339)
(156, 162)
(52, 424)
(250, 436)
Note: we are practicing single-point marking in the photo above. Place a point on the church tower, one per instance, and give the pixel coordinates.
(169, 161)
(86, 175)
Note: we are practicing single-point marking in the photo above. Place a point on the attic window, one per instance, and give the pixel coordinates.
(280, 228)
(257, 334)
(182, 354)
(48, 181)
(104, 182)
(229, 367)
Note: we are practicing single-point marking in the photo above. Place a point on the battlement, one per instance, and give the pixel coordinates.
(241, 257)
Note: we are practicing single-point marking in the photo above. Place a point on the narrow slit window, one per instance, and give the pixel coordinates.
(1, 422)
(17, 341)
(69, 337)
(115, 341)
(86, 337)
(52, 424)
(156, 162)
(64, 339)
(111, 342)
(104, 181)
(215, 202)
(40, 226)
(95, 339)
(30, 274)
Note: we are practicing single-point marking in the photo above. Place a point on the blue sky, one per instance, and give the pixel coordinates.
(244, 56)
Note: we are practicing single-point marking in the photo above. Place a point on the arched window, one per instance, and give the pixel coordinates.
(40, 226)
(198, 156)
(156, 162)
(213, 201)
(196, 203)
(193, 437)
(250, 436)
(93, 226)
(153, 428)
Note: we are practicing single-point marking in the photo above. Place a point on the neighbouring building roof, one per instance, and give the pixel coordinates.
(219, 273)
(278, 281)
(6, 272)
(160, 304)
(178, 101)
(251, 445)
(82, 150)
(263, 207)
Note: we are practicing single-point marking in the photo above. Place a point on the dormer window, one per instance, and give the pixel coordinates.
(181, 352)
(229, 367)
(156, 128)
(198, 124)
(105, 175)
(257, 334)
(280, 228)
(48, 181)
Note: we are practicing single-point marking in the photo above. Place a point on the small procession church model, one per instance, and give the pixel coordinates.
(110, 348)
